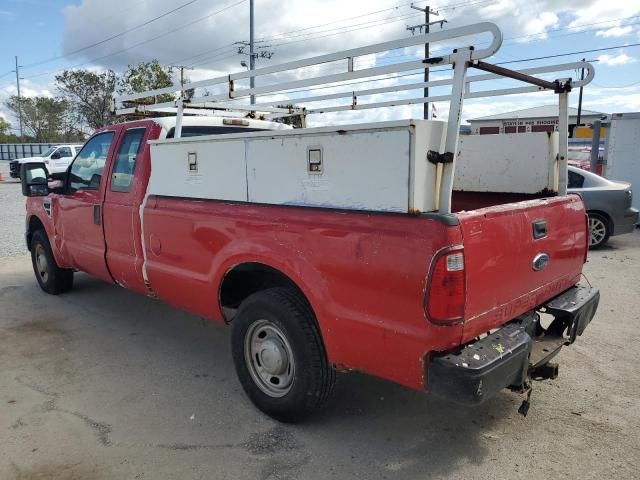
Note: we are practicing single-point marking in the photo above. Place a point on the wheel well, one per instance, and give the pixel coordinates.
(34, 225)
(603, 214)
(248, 278)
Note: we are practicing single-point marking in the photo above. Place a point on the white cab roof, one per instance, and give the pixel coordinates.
(167, 123)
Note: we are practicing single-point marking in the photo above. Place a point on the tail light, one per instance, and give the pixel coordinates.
(446, 292)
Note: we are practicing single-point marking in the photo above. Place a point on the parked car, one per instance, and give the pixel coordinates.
(580, 157)
(57, 159)
(608, 205)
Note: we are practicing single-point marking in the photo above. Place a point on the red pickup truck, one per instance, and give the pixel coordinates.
(446, 303)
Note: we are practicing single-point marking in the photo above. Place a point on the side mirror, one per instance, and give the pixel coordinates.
(55, 156)
(34, 179)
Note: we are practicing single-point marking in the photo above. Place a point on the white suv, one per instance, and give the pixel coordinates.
(56, 158)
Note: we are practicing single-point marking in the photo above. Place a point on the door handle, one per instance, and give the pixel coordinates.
(97, 216)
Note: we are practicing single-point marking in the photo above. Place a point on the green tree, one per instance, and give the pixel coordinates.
(4, 130)
(147, 76)
(43, 118)
(4, 126)
(89, 94)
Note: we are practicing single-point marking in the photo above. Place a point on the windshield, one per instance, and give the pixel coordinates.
(48, 152)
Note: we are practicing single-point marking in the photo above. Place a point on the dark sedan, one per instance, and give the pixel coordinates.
(608, 205)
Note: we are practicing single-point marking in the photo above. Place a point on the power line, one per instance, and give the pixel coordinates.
(419, 72)
(145, 41)
(446, 7)
(377, 23)
(112, 36)
(572, 53)
(396, 7)
(384, 20)
(614, 87)
(511, 40)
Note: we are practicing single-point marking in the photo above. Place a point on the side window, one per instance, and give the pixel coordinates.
(575, 180)
(86, 170)
(64, 152)
(126, 160)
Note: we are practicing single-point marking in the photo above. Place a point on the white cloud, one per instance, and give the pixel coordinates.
(587, 13)
(27, 89)
(614, 60)
(616, 100)
(615, 32)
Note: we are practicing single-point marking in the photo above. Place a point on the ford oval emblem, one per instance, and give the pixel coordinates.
(540, 261)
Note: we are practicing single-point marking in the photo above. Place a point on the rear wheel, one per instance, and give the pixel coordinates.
(51, 278)
(599, 230)
(279, 355)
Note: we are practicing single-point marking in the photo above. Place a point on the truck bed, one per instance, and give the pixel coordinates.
(352, 237)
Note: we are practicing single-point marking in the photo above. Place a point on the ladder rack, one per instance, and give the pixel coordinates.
(460, 59)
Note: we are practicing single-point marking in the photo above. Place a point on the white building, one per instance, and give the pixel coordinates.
(536, 119)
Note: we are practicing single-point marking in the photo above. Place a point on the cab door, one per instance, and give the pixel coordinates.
(79, 232)
(125, 190)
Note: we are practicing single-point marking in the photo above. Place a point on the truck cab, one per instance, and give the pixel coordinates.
(56, 158)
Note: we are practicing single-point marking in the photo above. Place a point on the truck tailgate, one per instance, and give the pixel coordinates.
(506, 272)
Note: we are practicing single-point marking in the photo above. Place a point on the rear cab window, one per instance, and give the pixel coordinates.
(197, 130)
(125, 163)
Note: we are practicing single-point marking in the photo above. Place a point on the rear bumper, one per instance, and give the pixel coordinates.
(627, 222)
(512, 354)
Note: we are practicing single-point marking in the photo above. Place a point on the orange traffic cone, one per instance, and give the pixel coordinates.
(1, 179)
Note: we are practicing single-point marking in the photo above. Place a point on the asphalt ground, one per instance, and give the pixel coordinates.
(101, 383)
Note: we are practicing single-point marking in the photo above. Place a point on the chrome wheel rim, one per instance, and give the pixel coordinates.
(42, 266)
(269, 358)
(598, 231)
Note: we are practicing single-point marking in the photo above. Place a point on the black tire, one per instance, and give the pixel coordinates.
(51, 278)
(307, 381)
(599, 230)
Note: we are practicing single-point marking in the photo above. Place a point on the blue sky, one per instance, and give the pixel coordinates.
(44, 33)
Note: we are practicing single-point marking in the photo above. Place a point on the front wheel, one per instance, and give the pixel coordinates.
(51, 278)
(599, 230)
(279, 355)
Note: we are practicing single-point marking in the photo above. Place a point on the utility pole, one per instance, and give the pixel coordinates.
(427, 23)
(17, 70)
(252, 58)
(255, 51)
(580, 100)
(182, 81)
